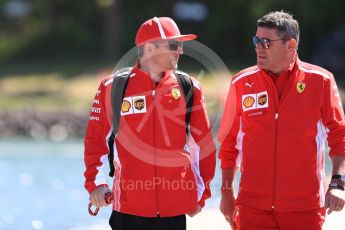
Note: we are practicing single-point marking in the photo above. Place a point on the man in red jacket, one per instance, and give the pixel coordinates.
(277, 117)
(161, 172)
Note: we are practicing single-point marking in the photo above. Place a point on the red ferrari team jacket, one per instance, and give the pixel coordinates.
(159, 170)
(278, 140)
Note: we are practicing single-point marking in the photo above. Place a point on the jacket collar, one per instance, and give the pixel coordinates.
(139, 72)
(292, 68)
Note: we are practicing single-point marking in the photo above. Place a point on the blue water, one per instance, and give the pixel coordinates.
(41, 187)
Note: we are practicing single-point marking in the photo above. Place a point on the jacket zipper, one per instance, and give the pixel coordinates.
(154, 147)
(276, 117)
(275, 159)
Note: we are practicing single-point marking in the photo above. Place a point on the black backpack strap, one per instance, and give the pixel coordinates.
(120, 80)
(111, 155)
(186, 84)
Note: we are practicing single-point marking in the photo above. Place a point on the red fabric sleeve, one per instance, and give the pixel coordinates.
(228, 131)
(333, 118)
(95, 143)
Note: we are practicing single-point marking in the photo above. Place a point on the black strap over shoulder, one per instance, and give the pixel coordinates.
(118, 89)
(120, 80)
(186, 84)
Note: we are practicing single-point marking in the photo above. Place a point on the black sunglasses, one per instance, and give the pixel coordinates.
(265, 42)
(174, 45)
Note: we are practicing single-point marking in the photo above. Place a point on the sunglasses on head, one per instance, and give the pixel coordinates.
(265, 42)
(174, 45)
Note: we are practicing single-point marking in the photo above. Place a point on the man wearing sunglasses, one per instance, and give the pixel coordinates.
(276, 132)
(162, 164)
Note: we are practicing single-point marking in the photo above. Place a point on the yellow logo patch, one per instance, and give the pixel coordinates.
(300, 87)
(248, 102)
(125, 106)
(175, 92)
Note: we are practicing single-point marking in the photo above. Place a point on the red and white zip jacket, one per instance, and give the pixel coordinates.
(279, 143)
(156, 171)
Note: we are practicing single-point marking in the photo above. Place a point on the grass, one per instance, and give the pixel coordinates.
(54, 91)
(47, 92)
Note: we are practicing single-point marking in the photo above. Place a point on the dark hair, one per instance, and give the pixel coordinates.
(285, 24)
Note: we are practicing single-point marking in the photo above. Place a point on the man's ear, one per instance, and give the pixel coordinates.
(149, 47)
(292, 44)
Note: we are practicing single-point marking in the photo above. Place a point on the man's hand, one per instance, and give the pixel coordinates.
(227, 206)
(97, 196)
(196, 211)
(335, 200)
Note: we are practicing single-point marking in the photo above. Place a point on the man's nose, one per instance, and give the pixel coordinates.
(179, 50)
(259, 47)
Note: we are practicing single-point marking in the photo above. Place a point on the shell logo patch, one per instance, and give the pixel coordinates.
(248, 102)
(262, 99)
(175, 92)
(255, 101)
(300, 87)
(125, 106)
(139, 104)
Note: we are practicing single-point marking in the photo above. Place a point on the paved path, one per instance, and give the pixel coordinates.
(212, 219)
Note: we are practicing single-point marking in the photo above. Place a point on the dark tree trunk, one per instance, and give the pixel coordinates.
(113, 23)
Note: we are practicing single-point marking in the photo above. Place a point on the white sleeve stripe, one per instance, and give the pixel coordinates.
(108, 82)
(320, 140)
(246, 74)
(117, 178)
(239, 143)
(100, 176)
(111, 79)
(195, 158)
(315, 72)
(196, 85)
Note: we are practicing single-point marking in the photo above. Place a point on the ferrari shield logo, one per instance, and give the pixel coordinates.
(175, 92)
(300, 87)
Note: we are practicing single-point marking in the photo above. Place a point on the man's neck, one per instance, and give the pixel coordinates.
(288, 66)
(154, 74)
